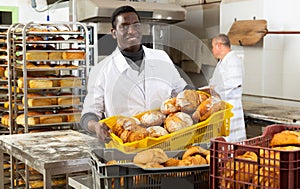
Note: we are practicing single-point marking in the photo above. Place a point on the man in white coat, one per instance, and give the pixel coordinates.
(131, 80)
(227, 81)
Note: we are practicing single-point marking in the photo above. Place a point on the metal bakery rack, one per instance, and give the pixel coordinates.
(4, 81)
(46, 55)
(38, 54)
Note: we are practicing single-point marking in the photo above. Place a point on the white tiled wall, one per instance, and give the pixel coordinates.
(273, 66)
(27, 13)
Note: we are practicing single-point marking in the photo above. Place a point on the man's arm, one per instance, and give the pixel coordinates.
(90, 123)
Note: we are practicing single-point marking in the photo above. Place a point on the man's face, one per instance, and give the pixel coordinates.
(215, 48)
(128, 31)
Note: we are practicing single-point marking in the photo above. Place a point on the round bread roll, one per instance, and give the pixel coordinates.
(157, 131)
(208, 107)
(177, 121)
(152, 118)
(285, 138)
(117, 129)
(125, 135)
(138, 135)
(155, 155)
(169, 106)
(195, 150)
(192, 160)
(171, 162)
(188, 101)
(127, 122)
(132, 132)
(202, 96)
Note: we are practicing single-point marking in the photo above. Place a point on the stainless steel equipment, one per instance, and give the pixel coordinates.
(101, 11)
(50, 153)
(155, 18)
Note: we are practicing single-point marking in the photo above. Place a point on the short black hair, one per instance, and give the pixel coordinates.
(121, 10)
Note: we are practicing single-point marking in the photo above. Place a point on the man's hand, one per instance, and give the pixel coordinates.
(209, 90)
(101, 130)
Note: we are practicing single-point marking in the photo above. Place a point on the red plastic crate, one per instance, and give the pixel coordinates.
(281, 170)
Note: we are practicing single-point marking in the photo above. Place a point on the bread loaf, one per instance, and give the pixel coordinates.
(5, 120)
(6, 105)
(2, 70)
(34, 100)
(68, 100)
(31, 120)
(28, 65)
(40, 83)
(6, 73)
(20, 82)
(55, 55)
(73, 115)
(36, 55)
(50, 119)
(73, 55)
(54, 79)
(53, 98)
(69, 81)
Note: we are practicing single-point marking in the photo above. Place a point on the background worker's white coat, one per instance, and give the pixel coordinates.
(227, 81)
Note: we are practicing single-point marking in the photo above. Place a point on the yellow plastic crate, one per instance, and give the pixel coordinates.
(218, 124)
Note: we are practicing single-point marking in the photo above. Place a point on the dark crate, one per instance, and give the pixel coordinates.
(129, 176)
(281, 169)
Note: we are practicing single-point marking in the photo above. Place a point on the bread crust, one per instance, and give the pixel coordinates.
(177, 121)
(285, 138)
(155, 155)
(73, 55)
(188, 101)
(152, 118)
(195, 150)
(169, 106)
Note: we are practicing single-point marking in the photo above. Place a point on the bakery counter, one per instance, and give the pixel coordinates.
(50, 153)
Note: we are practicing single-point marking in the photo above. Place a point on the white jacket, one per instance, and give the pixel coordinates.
(115, 88)
(227, 81)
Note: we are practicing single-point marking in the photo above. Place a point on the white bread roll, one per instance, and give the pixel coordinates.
(152, 118)
(169, 106)
(177, 121)
(188, 101)
(157, 131)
